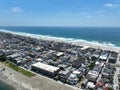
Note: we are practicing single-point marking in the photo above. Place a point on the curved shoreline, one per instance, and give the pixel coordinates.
(21, 82)
(77, 42)
(38, 82)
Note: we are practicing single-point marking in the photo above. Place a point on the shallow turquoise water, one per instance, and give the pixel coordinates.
(4, 86)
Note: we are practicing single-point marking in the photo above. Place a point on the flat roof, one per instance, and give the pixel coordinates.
(85, 47)
(46, 67)
(103, 57)
(76, 72)
(90, 85)
(94, 73)
(59, 53)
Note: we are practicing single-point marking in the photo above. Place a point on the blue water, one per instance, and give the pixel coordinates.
(4, 86)
(97, 34)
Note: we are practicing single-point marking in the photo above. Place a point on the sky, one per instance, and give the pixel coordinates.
(60, 13)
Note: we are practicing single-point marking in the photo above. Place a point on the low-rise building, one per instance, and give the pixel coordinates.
(77, 72)
(63, 75)
(45, 69)
(84, 83)
(90, 85)
(72, 79)
(92, 76)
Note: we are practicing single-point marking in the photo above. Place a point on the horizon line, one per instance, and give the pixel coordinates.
(57, 26)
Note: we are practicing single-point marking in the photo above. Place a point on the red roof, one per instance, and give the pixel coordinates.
(104, 88)
(100, 84)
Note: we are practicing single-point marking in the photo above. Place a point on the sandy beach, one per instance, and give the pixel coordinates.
(21, 82)
(39, 82)
(74, 42)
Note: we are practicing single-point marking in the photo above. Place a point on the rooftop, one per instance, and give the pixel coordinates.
(46, 67)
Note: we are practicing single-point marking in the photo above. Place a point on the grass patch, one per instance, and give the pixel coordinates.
(18, 69)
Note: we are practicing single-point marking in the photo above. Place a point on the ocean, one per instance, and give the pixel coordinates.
(4, 86)
(108, 36)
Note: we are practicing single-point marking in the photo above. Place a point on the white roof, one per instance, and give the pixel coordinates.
(90, 85)
(60, 53)
(85, 47)
(73, 75)
(46, 67)
(94, 73)
(103, 57)
(38, 59)
(76, 72)
(97, 63)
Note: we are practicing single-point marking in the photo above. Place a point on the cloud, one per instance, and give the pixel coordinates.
(110, 5)
(16, 10)
(88, 16)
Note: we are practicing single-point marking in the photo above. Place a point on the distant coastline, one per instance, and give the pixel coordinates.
(25, 82)
(80, 42)
(107, 36)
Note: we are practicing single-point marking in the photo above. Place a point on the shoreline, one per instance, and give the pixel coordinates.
(39, 82)
(8, 85)
(82, 43)
(6, 77)
(21, 82)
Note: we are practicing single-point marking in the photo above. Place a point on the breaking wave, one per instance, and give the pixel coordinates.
(69, 40)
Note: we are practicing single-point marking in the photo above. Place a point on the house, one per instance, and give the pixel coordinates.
(13, 56)
(59, 54)
(90, 85)
(113, 58)
(38, 59)
(92, 75)
(77, 72)
(84, 83)
(98, 67)
(45, 69)
(104, 56)
(100, 84)
(95, 55)
(2, 56)
(62, 66)
(72, 79)
(63, 75)
(83, 70)
(53, 63)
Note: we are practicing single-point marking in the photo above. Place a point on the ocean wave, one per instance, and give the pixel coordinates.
(62, 39)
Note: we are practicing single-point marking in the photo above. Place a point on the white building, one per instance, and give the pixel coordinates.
(45, 69)
(72, 79)
(90, 85)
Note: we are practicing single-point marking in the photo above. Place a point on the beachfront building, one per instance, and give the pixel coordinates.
(113, 57)
(72, 79)
(90, 85)
(63, 75)
(65, 61)
(84, 83)
(104, 56)
(45, 69)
